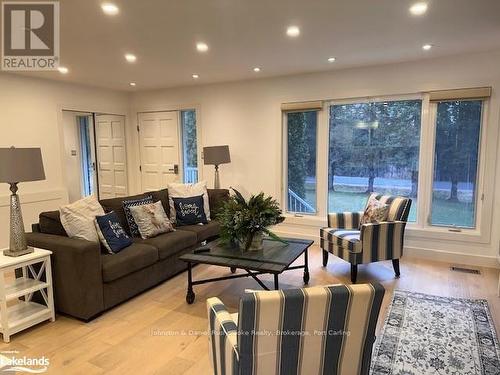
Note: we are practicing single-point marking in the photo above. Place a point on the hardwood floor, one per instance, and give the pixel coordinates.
(158, 333)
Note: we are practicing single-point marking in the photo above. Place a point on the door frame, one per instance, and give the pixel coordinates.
(60, 127)
(178, 109)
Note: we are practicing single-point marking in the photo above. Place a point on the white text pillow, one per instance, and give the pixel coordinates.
(176, 190)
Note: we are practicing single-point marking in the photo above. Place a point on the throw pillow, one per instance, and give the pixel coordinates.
(375, 212)
(176, 190)
(134, 230)
(78, 218)
(151, 220)
(111, 233)
(190, 211)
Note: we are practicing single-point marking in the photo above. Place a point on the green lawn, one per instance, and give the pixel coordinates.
(444, 212)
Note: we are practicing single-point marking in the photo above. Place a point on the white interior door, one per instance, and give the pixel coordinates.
(111, 156)
(160, 151)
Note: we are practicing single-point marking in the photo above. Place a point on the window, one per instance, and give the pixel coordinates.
(373, 147)
(189, 146)
(301, 131)
(456, 155)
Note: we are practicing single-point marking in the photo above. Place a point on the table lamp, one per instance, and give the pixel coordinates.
(216, 155)
(19, 165)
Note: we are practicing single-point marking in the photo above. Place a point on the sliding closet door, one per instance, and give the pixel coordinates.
(160, 151)
(111, 156)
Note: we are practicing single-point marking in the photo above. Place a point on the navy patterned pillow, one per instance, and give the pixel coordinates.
(111, 233)
(134, 229)
(189, 211)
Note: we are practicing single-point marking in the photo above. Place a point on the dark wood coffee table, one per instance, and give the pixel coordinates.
(274, 259)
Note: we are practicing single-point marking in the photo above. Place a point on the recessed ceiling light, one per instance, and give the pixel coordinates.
(202, 47)
(195, 76)
(130, 57)
(133, 84)
(63, 70)
(293, 31)
(110, 9)
(256, 69)
(418, 9)
(331, 59)
(427, 47)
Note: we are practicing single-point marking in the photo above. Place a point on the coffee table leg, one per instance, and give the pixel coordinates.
(276, 283)
(190, 294)
(306, 267)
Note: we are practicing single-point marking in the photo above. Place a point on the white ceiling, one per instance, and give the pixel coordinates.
(243, 34)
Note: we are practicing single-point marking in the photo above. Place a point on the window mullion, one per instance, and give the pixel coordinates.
(426, 167)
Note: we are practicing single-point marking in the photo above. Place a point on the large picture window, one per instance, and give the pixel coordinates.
(373, 147)
(456, 155)
(301, 131)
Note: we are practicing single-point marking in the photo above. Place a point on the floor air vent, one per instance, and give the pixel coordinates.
(465, 270)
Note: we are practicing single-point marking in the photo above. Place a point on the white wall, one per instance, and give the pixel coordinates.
(246, 115)
(72, 160)
(31, 116)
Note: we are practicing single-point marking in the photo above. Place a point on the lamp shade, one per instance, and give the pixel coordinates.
(21, 164)
(216, 155)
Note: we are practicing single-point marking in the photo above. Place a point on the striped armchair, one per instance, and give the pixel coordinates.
(316, 330)
(368, 243)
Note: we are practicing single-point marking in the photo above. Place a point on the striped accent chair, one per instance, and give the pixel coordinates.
(317, 330)
(368, 243)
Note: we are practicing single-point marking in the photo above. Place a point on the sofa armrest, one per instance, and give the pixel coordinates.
(344, 220)
(391, 248)
(216, 198)
(222, 338)
(76, 273)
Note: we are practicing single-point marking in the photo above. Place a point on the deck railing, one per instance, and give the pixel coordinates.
(298, 204)
(190, 175)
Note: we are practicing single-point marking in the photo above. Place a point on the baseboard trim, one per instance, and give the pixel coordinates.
(452, 257)
(424, 253)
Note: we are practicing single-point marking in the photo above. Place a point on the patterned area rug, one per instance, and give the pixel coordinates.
(426, 334)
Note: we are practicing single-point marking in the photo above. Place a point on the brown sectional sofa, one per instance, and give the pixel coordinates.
(88, 281)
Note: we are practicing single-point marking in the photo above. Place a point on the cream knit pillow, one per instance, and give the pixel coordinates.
(78, 218)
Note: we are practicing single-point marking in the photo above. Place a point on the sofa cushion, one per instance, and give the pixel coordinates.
(171, 243)
(50, 223)
(203, 232)
(130, 259)
(116, 205)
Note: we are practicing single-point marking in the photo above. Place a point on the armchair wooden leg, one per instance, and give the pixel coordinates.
(354, 273)
(395, 264)
(325, 258)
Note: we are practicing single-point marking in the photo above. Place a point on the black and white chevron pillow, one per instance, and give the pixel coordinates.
(134, 229)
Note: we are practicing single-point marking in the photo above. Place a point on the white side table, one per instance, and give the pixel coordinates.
(16, 314)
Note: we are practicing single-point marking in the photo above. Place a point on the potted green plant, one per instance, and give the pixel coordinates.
(245, 222)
